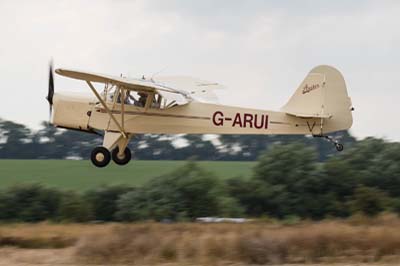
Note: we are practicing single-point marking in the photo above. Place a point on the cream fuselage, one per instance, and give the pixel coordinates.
(87, 113)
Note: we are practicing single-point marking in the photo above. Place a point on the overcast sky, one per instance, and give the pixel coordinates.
(261, 50)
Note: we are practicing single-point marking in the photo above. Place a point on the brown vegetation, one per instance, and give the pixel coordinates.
(355, 240)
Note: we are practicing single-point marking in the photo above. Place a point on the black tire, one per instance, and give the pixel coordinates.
(339, 147)
(103, 153)
(121, 161)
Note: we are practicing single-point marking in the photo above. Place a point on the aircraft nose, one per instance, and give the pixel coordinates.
(71, 111)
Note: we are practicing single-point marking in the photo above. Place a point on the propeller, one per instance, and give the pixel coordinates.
(50, 93)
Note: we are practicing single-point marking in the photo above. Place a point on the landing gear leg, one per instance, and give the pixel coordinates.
(338, 146)
(117, 144)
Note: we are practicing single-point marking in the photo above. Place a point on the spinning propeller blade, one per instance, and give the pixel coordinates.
(50, 93)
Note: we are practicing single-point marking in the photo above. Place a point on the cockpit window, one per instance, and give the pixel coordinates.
(132, 98)
(160, 102)
(137, 98)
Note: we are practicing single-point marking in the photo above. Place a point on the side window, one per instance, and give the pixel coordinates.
(167, 103)
(138, 99)
(133, 98)
(160, 102)
(156, 103)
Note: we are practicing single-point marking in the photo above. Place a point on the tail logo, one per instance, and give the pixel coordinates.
(310, 88)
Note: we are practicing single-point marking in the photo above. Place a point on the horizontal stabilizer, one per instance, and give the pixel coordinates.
(325, 116)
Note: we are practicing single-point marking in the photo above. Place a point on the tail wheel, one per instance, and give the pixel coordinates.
(339, 147)
(100, 156)
(124, 159)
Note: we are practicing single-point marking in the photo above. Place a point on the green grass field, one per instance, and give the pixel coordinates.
(82, 175)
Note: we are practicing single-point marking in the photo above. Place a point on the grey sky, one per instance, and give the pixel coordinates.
(261, 50)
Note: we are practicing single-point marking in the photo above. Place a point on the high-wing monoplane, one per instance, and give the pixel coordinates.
(123, 107)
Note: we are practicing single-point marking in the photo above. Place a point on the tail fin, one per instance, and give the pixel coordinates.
(322, 94)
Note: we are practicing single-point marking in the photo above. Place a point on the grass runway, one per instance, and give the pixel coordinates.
(82, 175)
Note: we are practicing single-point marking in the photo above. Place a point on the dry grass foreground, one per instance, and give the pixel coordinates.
(202, 244)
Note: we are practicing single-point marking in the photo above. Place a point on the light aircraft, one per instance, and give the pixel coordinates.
(123, 107)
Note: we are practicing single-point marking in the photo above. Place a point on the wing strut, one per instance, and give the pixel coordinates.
(107, 109)
(122, 92)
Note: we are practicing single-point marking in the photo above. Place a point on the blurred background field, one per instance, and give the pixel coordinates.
(81, 175)
(287, 182)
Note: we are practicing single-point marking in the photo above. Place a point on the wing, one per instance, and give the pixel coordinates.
(180, 97)
(196, 88)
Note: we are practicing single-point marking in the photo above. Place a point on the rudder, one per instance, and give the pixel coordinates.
(322, 94)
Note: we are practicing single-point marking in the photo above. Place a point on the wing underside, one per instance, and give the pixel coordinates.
(180, 89)
(197, 89)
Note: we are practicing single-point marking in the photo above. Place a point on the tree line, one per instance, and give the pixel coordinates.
(19, 142)
(287, 181)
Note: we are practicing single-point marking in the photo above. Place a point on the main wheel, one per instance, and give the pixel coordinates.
(339, 147)
(124, 159)
(100, 156)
